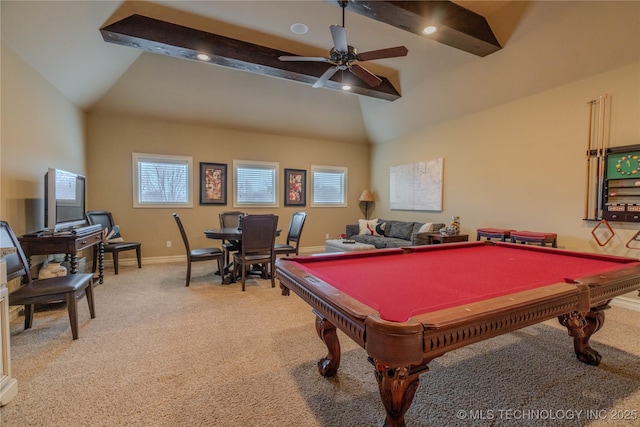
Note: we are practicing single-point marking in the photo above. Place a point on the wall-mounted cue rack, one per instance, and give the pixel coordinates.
(597, 147)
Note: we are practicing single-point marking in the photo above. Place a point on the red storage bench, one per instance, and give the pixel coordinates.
(534, 237)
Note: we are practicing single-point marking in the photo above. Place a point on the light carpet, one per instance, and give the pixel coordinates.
(161, 354)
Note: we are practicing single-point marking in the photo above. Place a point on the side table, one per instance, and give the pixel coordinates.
(437, 238)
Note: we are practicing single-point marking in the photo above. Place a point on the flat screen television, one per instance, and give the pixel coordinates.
(64, 200)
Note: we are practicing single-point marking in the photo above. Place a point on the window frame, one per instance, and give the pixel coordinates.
(329, 169)
(136, 158)
(274, 166)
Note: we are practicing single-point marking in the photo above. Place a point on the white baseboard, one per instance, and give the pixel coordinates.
(312, 250)
(627, 302)
(150, 260)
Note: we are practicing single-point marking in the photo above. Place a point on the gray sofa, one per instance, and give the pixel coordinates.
(393, 234)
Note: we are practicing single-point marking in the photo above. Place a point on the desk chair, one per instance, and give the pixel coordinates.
(258, 245)
(43, 291)
(295, 231)
(195, 255)
(105, 219)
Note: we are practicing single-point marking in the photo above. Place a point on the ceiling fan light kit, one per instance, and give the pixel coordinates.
(343, 57)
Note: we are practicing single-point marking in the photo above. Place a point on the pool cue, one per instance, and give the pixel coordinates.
(598, 163)
(604, 123)
(586, 206)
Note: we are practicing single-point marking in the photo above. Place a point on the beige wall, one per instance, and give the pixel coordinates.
(40, 129)
(522, 165)
(113, 139)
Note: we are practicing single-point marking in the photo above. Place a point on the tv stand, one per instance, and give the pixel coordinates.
(68, 244)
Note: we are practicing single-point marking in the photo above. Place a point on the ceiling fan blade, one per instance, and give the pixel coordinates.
(325, 77)
(391, 52)
(304, 58)
(366, 75)
(339, 35)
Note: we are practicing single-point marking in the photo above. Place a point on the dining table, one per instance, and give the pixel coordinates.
(234, 236)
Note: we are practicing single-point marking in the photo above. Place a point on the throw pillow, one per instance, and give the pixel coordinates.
(401, 230)
(426, 228)
(367, 227)
(380, 227)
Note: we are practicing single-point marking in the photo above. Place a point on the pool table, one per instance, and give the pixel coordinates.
(407, 306)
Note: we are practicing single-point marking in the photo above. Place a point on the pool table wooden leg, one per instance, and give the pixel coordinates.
(397, 388)
(326, 330)
(581, 327)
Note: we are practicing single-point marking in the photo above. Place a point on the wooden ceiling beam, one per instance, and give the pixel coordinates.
(156, 36)
(457, 27)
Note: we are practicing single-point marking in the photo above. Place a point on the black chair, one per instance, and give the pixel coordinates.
(105, 219)
(258, 241)
(44, 291)
(227, 220)
(295, 231)
(195, 255)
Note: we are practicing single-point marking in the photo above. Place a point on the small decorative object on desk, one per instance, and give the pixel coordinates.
(239, 222)
(455, 225)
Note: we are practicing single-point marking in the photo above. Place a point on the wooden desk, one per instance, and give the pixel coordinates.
(69, 245)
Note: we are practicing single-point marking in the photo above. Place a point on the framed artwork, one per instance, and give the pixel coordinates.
(295, 189)
(213, 184)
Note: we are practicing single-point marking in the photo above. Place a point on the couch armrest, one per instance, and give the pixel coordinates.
(352, 230)
(421, 239)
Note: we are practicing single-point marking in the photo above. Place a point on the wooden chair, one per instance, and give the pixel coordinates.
(44, 291)
(229, 219)
(105, 219)
(195, 255)
(293, 236)
(258, 246)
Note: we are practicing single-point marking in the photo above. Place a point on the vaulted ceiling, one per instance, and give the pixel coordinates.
(543, 45)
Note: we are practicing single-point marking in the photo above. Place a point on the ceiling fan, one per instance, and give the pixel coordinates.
(343, 57)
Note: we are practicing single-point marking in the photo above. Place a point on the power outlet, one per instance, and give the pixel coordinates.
(168, 243)
(327, 236)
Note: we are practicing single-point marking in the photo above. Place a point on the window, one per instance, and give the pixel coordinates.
(161, 181)
(256, 183)
(329, 186)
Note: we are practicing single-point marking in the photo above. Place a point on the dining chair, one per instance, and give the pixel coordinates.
(67, 288)
(293, 236)
(105, 219)
(195, 255)
(229, 219)
(258, 246)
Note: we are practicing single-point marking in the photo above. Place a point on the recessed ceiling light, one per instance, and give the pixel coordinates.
(430, 29)
(203, 57)
(299, 28)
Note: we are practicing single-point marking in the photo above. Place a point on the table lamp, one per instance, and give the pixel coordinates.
(367, 198)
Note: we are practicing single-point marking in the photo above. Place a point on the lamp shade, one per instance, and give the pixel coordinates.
(366, 196)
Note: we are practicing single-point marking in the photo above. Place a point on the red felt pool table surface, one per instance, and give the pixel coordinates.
(400, 285)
